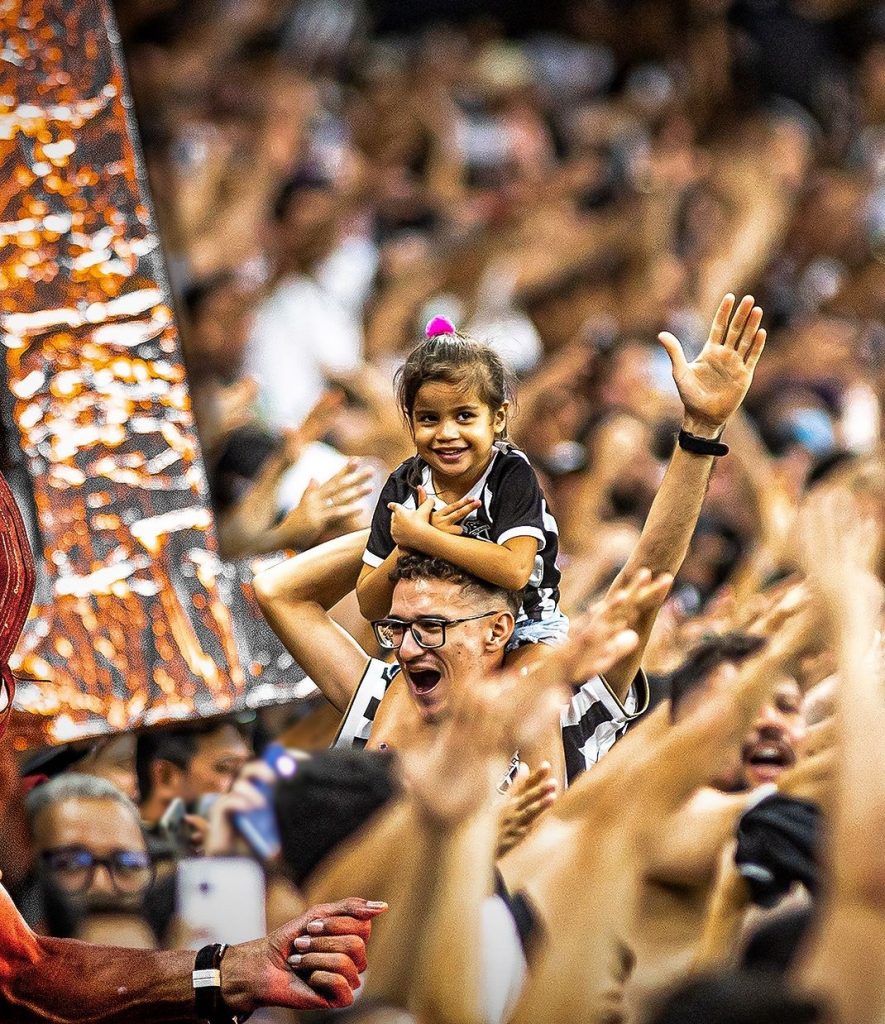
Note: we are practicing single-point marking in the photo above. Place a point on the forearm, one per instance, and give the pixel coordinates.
(493, 562)
(685, 849)
(246, 528)
(663, 543)
(396, 942)
(323, 575)
(369, 861)
(674, 513)
(374, 591)
(724, 922)
(449, 975)
(76, 983)
(844, 965)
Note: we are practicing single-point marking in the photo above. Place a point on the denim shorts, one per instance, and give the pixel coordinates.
(552, 631)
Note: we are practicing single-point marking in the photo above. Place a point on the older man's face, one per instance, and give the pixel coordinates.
(70, 831)
(471, 648)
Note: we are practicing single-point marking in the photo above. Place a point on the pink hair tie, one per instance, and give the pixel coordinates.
(439, 325)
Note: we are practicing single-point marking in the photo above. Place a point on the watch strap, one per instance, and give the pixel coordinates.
(206, 979)
(701, 445)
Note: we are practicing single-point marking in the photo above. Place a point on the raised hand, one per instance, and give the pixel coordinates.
(323, 507)
(526, 800)
(604, 634)
(714, 385)
(837, 550)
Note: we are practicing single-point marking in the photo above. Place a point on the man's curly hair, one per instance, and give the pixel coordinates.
(426, 567)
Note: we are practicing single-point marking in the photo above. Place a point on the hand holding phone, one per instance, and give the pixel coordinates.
(258, 825)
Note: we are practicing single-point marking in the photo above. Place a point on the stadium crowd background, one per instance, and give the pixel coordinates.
(562, 183)
(323, 187)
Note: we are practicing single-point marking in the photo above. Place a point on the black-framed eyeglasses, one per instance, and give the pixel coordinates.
(427, 632)
(73, 867)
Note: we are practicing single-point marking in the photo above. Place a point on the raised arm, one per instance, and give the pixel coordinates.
(846, 963)
(374, 590)
(296, 597)
(451, 779)
(712, 389)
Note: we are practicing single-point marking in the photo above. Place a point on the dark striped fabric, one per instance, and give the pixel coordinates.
(591, 722)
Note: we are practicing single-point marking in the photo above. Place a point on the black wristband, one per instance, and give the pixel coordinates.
(208, 1000)
(701, 445)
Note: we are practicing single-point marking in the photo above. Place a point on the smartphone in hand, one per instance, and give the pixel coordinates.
(259, 827)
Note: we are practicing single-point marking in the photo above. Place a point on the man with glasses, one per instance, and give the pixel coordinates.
(447, 629)
(89, 845)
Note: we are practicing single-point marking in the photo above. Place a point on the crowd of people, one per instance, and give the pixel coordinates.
(578, 541)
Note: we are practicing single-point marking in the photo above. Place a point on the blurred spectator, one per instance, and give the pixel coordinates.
(186, 762)
(92, 858)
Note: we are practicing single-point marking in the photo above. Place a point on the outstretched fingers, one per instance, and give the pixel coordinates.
(720, 321)
(751, 356)
(746, 337)
(739, 321)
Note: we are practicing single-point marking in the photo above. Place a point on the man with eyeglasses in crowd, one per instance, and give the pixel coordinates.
(91, 856)
(55, 981)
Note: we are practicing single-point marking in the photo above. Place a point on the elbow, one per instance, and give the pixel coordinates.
(517, 578)
(266, 593)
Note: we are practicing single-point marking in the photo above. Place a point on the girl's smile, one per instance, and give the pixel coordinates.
(454, 432)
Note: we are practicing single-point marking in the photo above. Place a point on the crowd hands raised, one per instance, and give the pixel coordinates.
(671, 810)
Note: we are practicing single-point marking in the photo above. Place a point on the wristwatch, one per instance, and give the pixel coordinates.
(208, 1000)
(701, 445)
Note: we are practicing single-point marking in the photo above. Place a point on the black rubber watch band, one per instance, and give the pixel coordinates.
(208, 1000)
(701, 445)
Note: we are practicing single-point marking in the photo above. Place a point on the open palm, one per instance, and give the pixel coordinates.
(714, 385)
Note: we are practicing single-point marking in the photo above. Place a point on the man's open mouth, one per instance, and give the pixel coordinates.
(423, 680)
(770, 755)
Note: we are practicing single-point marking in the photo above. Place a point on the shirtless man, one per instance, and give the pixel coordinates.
(584, 865)
(57, 981)
(682, 861)
(296, 596)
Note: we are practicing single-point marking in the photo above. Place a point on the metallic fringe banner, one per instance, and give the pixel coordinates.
(132, 623)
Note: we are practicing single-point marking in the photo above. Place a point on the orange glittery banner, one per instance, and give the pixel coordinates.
(131, 623)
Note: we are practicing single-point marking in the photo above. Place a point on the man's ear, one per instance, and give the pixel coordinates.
(166, 779)
(501, 630)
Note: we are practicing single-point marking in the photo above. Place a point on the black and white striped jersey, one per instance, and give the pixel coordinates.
(591, 722)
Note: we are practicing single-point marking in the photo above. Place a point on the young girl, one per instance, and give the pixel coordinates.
(454, 393)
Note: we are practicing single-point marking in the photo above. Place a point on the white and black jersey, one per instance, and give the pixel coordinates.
(591, 722)
(513, 505)
(360, 714)
(594, 719)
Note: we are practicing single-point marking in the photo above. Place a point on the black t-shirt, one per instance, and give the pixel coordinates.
(513, 505)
